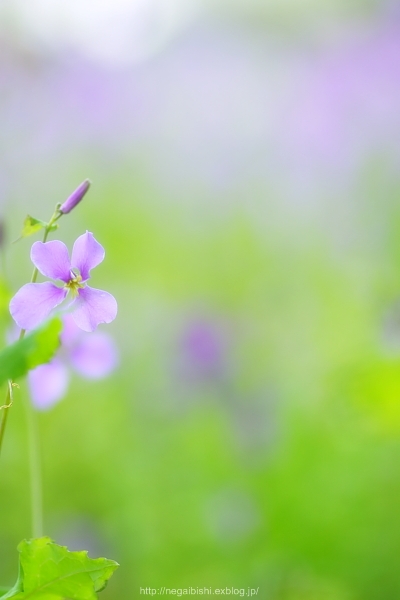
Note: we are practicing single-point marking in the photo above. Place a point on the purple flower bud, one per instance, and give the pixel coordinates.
(75, 197)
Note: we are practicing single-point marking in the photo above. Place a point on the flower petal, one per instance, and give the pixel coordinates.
(33, 303)
(71, 332)
(48, 384)
(52, 259)
(95, 356)
(87, 253)
(93, 307)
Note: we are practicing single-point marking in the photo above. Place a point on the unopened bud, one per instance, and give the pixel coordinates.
(75, 197)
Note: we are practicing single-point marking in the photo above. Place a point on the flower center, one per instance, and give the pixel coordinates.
(74, 285)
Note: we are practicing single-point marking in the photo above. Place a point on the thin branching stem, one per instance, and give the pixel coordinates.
(33, 438)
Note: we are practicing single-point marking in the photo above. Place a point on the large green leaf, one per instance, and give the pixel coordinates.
(51, 572)
(36, 348)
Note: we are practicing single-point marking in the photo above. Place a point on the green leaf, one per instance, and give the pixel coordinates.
(32, 225)
(51, 572)
(34, 349)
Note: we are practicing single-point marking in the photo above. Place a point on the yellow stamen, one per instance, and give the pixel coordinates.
(74, 285)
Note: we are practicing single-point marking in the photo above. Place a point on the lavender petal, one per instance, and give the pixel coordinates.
(33, 303)
(93, 307)
(52, 260)
(48, 384)
(95, 356)
(87, 253)
(71, 332)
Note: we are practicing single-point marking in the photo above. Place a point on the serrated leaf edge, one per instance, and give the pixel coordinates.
(109, 564)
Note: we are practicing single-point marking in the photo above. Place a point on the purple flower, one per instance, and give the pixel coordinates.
(75, 197)
(34, 301)
(93, 356)
(202, 351)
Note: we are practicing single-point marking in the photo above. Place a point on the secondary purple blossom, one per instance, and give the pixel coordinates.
(93, 356)
(75, 197)
(202, 350)
(34, 302)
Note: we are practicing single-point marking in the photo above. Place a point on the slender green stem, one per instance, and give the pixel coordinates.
(33, 438)
(35, 470)
(56, 215)
(5, 410)
(47, 230)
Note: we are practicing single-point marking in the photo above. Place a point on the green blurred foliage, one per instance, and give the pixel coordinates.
(36, 348)
(283, 472)
(166, 487)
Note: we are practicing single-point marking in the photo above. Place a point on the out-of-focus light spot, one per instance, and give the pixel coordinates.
(256, 427)
(202, 351)
(78, 532)
(391, 329)
(232, 516)
(114, 32)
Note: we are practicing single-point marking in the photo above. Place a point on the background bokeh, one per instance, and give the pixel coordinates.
(245, 164)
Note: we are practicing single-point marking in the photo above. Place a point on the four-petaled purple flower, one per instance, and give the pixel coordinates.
(34, 302)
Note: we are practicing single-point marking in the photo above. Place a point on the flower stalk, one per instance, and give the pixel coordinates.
(35, 470)
(8, 400)
(59, 211)
(34, 453)
(5, 408)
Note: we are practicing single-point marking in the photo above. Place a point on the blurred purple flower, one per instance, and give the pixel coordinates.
(346, 106)
(202, 351)
(93, 356)
(34, 301)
